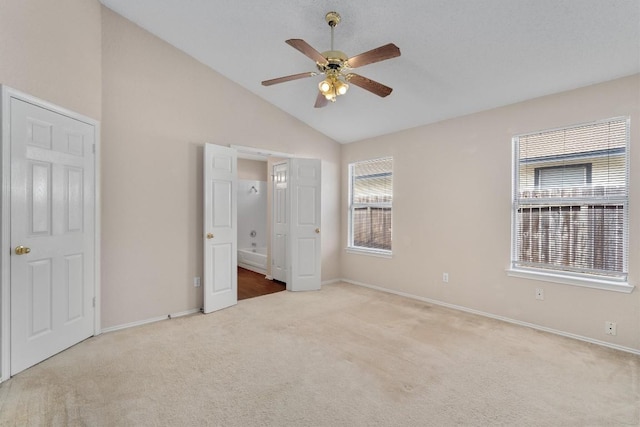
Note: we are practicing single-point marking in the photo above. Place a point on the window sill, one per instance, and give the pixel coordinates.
(371, 252)
(607, 285)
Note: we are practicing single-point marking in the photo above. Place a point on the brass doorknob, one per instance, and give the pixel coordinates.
(317, 231)
(21, 250)
(209, 235)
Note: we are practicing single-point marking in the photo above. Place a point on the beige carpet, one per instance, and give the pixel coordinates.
(344, 356)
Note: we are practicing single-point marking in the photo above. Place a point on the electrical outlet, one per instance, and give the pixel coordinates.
(196, 282)
(610, 328)
(540, 294)
(445, 277)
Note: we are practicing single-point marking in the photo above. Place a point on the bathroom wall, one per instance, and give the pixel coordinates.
(252, 169)
(252, 206)
(252, 213)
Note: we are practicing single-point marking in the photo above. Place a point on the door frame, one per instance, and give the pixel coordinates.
(6, 94)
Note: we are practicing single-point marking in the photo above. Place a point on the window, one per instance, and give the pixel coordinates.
(370, 197)
(570, 175)
(570, 201)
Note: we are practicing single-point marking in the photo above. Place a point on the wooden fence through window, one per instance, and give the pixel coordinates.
(580, 237)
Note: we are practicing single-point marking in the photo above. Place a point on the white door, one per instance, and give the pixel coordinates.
(304, 230)
(280, 223)
(220, 228)
(52, 233)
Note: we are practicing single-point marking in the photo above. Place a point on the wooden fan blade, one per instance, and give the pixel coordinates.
(368, 84)
(307, 50)
(378, 54)
(288, 78)
(321, 101)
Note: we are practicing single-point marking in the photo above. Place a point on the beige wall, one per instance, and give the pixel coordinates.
(159, 107)
(254, 170)
(51, 50)
(452, 213)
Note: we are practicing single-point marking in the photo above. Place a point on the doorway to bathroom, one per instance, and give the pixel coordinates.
(253, 230)
(301, 208)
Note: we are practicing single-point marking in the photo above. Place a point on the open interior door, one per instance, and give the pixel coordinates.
(304, 225)
(220, 228)
(280, 220)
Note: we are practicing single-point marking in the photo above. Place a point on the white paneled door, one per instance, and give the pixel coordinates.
(52, 232)
(304, 229)
(220, 228)
(280, 223)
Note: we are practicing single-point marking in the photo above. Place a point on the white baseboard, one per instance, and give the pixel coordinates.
(494, 316)
(182, 313)
(153, 319)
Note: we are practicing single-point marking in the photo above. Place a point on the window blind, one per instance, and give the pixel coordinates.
(371, 190)
(571, 199)
(568, 176)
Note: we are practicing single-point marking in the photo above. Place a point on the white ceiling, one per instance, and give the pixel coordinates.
(458, 56)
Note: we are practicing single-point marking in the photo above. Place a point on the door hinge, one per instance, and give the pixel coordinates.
(94, 302)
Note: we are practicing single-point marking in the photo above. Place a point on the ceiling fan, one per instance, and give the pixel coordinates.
(335, 65)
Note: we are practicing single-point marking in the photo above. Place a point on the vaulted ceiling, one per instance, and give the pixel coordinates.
(458, 56)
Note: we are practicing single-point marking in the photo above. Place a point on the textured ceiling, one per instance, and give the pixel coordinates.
(458, 56)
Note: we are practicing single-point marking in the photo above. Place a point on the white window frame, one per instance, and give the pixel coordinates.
(559, 276)
(351, 248)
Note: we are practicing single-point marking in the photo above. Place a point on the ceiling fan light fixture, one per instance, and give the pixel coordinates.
(341, 87)
(325, 86)
(332, 87)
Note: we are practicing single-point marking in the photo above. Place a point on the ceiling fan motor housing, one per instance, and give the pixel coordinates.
(336, 61)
